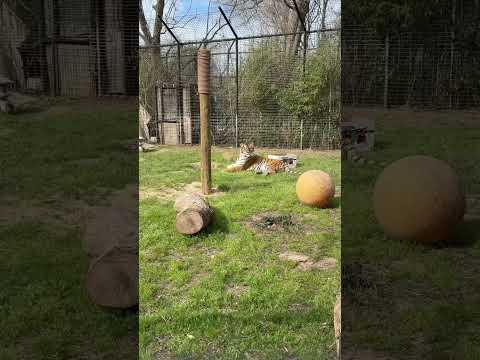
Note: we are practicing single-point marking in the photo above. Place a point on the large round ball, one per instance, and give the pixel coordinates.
(419, 198)
(315, 188)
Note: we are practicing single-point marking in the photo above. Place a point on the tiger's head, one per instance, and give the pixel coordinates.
(247, 150)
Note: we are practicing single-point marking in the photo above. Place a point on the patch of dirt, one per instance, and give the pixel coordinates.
(208, 252)
(274, 222)
(293, 256)
(197, 165)
(197, 278)
(237, 290)
(164, 193)
(64, 216)
(161, 350)
(304, 263)
(323, 264)
(196, 188)
(169, 194)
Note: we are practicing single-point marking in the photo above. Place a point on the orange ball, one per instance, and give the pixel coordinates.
(419, 198)
(315, 188)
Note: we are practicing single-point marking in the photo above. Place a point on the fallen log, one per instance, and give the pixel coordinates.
(112, 279)
(193, 214)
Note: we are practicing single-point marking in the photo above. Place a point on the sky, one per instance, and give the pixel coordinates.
(194, 15)
(183, 6)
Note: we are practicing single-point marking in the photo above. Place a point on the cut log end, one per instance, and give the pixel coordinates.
(190, 222)
(112, 280)
(193, 214)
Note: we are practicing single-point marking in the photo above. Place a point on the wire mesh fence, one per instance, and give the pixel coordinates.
(70, 48)
(434, 70)
(267, 89)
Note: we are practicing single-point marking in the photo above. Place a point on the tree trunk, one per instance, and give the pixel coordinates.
(323, 15)
(193, 214)
(152, 40)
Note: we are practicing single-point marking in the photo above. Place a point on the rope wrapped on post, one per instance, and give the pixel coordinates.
(203, 71)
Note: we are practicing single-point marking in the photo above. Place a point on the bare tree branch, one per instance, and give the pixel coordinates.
(159, 8)
(144, 24)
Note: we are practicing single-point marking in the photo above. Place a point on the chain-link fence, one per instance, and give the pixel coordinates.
(70, 48)
(271, 89)
(435, 70)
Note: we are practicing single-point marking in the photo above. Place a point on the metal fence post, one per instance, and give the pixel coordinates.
(237, 92)
(387, 56)
(236, 72)
(305, 44)
(180, 94)
(452, 52)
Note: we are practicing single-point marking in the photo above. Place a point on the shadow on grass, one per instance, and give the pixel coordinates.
(467, 234)
(242, 187)
(335, 203)
(224, 187)
(219, 223)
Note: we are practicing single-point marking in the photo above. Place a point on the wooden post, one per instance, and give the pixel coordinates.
(205, 146)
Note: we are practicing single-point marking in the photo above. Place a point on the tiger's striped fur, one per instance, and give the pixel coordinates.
(248, 160)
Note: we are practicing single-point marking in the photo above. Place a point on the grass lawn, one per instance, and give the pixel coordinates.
(226, 294)
(412, 301)
(54, 164)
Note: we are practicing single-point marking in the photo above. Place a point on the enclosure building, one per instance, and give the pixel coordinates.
(73, 48)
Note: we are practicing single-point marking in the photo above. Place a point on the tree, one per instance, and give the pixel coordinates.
(396, 15)
(151, 57)
(280, 16)
(315, 97)
(151, 67)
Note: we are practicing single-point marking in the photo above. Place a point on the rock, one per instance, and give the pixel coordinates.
(148, 147)
(293, 256)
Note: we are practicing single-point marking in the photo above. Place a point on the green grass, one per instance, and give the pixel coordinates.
(45, 310)
(224, 294)
(422, 301)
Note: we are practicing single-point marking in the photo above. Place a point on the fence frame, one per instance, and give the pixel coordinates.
(236, 40)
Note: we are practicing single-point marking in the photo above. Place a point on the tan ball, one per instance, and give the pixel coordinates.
(419, 198)
(315, 188)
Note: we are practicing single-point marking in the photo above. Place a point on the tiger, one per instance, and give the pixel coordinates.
(248, 160)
